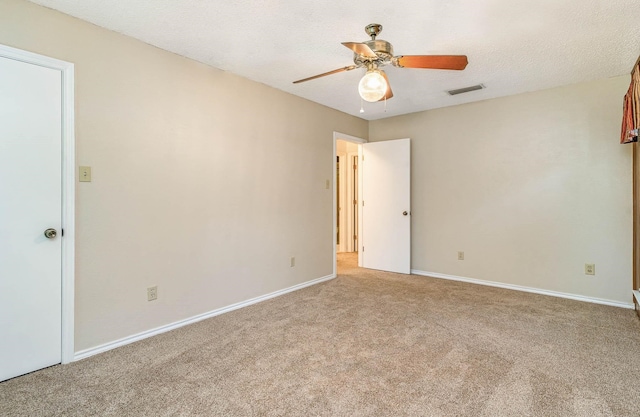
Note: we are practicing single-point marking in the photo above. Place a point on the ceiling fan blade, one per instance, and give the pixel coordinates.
(349, 68)
(449, 62)
(389, 93)
(360, 49)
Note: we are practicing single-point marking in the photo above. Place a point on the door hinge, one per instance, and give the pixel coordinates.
(61, 232)
(363, 157)
(362, 203)
(355, 202)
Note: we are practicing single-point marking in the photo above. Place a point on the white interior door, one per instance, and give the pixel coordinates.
(30, 203)
(386, 208)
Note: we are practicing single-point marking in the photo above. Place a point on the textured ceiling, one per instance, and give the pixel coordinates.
(513, 46)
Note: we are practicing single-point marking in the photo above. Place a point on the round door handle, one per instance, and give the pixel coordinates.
(404, 213)
(50, 233)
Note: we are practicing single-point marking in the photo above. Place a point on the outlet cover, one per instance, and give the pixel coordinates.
(590, 269)
(152, 293)
(461, 256)
(292, 261)
(85, 174)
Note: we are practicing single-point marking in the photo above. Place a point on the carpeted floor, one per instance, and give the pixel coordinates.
(368, 343)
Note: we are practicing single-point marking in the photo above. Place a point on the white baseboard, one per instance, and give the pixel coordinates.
(525, 289)
(158, 330)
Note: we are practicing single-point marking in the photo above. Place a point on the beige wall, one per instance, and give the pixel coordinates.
(204, 183)
(530, 187)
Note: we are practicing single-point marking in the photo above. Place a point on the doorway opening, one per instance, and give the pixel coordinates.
(346, 197)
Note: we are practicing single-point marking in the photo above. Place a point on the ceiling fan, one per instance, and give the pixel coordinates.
(376, 53)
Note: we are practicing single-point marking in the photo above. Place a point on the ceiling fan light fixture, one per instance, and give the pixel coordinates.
(376, 53)
(372, 86)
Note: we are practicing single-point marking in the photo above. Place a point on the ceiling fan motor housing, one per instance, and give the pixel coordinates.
(383, 50)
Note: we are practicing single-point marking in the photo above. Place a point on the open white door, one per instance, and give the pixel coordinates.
(386, 206)
(30, 217)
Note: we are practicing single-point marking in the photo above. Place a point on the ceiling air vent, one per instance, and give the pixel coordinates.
(466, 89)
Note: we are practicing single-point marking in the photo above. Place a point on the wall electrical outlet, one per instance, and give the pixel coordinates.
(292, 262)
(152, 293)
(85, 174)
(590, 269)
(461, 256)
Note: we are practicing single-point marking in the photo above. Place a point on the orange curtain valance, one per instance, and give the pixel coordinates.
(631, 115)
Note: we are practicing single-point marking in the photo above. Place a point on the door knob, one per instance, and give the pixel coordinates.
(50, 233)
(404, 213)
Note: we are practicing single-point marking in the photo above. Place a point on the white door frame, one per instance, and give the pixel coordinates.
(354, 139)
(341, 192)
(68, 188)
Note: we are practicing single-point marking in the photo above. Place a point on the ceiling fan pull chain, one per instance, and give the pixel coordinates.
(385, 104)
(361, 105)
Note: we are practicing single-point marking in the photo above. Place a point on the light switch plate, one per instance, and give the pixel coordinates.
(85, 174)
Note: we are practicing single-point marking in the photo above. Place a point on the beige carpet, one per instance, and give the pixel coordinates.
(365, 344)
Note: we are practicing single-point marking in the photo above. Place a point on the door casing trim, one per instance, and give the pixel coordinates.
(68, 188)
